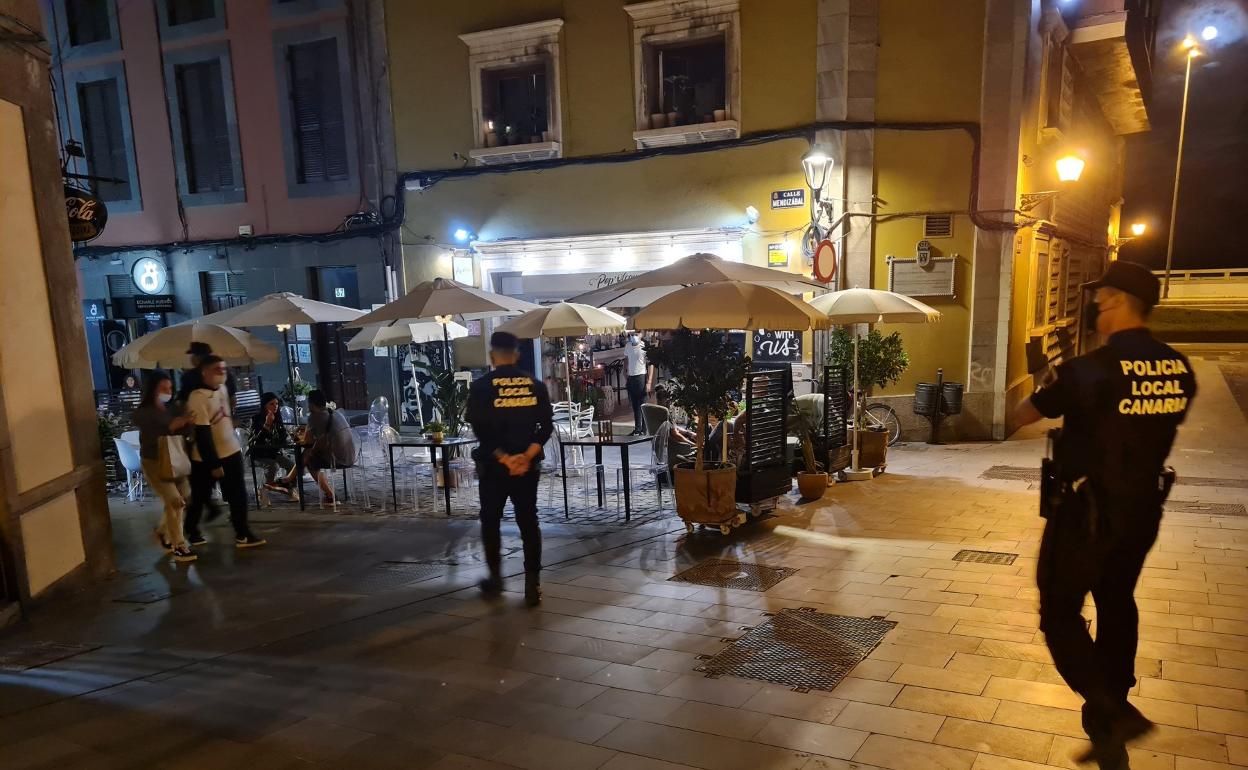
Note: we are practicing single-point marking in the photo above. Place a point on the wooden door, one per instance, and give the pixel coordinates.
(341, 372)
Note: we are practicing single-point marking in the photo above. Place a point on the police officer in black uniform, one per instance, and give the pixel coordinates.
(1122, 404)
(511, 415)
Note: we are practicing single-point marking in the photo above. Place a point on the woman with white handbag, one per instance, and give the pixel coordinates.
(166, 465)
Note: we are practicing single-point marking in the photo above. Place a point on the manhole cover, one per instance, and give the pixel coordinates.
(800, 648)
(1011, 473)
(985, 557)
(731, 574)
(386, 576)
(38, 654)
(1212, 509)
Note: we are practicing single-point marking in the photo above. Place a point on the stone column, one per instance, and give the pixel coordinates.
(847, 38)
(54, 526)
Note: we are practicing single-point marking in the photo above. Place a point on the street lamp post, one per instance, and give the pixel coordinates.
(1189, 43)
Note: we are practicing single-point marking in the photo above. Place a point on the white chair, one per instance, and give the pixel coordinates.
(412, 464)
(128, 455)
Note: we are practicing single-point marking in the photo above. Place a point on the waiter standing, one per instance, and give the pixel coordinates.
(1122, 404)
(511, 416)
(639, 379)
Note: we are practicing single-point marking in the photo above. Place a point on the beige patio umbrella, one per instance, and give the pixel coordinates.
(166, 348)
(565, 319)
(384, 336)
(283, 310)
(869, 306)
(691, 270)
(729, 305)
(439, 300)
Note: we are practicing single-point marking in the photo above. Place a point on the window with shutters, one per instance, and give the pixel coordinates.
(185, 18)
(121, 286)
(209, 164)
(318, 114)
(316, 110)
(938, 226)
(103, 141)
(222, 289)
(96, 113)
(1057, 104)
(89, 21)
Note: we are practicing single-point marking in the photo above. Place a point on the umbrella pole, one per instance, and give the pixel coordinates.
(567, 367)
(446, 348)
(290, 374)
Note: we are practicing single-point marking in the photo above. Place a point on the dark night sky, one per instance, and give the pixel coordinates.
(1212, 227)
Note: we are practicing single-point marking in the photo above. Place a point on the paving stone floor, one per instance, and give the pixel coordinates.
(356, 641)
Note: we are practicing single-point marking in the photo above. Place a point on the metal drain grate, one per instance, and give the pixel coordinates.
(985, 557)
(1011, 473)
(385, 576)
(719, 573)
(38, 654)
(1211, 509)
(802, 649)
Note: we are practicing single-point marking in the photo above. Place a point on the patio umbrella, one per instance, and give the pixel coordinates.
(439, 300)
(729, 305)
(694, 269)
(870, 306)
(166, 348)
(565, 319)
(384, 336)
(283, 310)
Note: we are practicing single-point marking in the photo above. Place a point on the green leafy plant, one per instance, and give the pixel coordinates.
(586, 393)
(705, 366)
(450, 397)
(881, 359)
(301, 388)
(109, 427)
(804, 426)
(434, 427)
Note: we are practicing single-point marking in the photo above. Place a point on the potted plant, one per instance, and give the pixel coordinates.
(813, 481)
(705, 367)
(449, 397)
(881, 361)
(436, 431)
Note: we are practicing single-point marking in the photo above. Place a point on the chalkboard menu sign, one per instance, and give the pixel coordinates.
(773, 345)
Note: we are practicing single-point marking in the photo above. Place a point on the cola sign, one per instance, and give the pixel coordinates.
(87, 214)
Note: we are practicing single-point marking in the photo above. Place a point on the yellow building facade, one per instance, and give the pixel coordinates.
(652, 130)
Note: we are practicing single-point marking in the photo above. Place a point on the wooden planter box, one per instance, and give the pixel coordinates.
(707, 496)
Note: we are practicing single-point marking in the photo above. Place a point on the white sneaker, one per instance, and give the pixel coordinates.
(183, 554)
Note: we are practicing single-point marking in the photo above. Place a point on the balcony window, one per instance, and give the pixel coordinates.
(103, 138)
(686, 56)
(514, 74)
(87, 21)
(206, 149)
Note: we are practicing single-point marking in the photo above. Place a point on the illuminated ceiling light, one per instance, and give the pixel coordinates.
(624, 256)
(1209, 32)
(816, 164)
(732, 251)
(1138, 229)
(574, 260)
(462, 235)
(1069, 168)
(526, 264)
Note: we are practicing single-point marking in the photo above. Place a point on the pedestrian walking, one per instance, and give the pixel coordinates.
(640, 379)
(1102, 497)
(217, 457)
(157, 421)
(511, 416)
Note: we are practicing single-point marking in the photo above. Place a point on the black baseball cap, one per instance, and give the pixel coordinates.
(1133, 278)
(504, 341)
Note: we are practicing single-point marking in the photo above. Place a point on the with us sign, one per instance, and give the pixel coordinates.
(770, 345)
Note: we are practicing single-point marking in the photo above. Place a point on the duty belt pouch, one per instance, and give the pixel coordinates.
(1050, 480)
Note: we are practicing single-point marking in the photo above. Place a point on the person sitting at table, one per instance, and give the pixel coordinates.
(268, 440)
(327, 442)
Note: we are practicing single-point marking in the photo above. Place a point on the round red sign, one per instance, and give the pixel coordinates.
(825, 261)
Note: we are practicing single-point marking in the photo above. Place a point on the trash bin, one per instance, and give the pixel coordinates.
(952, 397)
(925, 394)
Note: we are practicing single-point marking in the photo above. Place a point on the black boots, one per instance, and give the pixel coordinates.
(492, 585)
(1110, 725)
(532, 589)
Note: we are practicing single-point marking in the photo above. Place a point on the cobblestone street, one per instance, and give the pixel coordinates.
(359, 641)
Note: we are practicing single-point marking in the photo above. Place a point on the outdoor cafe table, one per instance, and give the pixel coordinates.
(446, 444)
(623, 442)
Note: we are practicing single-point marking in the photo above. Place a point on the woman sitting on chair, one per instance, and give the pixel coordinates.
(268, 440)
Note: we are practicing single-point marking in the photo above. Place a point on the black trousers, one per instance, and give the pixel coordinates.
(636, 397)
(233, 491)
(1098, 548)
(495, 487)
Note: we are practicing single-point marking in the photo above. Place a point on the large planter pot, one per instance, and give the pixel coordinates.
(872, 448)
(839, 458)
(812, 485)
(706, 496)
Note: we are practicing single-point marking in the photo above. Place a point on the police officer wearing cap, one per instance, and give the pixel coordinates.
(1121, 405)
(510, 414)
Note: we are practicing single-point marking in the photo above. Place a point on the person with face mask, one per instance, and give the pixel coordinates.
(217, 457)
(155, 420)
(640, 378)
(1121, 406)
